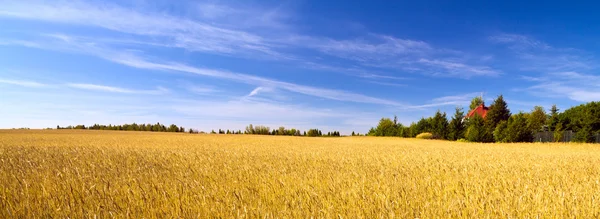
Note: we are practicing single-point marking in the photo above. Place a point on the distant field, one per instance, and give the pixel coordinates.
(66, 173)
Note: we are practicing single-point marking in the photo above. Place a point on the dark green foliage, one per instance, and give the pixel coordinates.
(456, 128)
(476, 131)
(313, 133)
(129, 127)
(501, 132)
(386, 127)
(424, 125)
(518, 129)
(553, 120)
(584, 134)
(497, 113)
(439, 125)
(584, 120)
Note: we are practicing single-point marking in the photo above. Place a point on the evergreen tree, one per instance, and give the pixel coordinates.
(352, 133)
(497, 112)
(456, 127)
(501, 132)
(554, 119)
(439, 125)
(476, 132)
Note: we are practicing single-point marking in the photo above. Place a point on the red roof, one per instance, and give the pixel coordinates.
(481, 110)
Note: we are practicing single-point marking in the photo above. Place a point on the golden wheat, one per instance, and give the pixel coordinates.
(64, 173)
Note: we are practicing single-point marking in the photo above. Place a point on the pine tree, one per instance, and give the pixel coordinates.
(553, 120)
(476, 131)
(352, 133)
(500, 133)
(456, 127)
(497, 112)
(439, 124)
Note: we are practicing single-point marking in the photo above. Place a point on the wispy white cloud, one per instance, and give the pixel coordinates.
(104, 88)
(233, 31)
(519, 42)
(387, 83)
(174, 31)
(536, 55)
(381, 47)
(573, 85)
(558, 72)
(459, 69)
(255, 91)
(201, 89)
(22, 83)
(136, 61)
(452, 100)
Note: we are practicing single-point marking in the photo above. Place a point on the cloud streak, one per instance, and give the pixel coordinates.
(136, 61)
(104, 88)
(227, 30)
(573, 85)
(31, 84)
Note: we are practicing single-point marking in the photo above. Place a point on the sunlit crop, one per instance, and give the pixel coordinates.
(77, 174)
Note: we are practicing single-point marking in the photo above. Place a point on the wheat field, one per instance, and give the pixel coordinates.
(106, 174)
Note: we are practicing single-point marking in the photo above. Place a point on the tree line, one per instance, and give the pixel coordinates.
(264, 130)
(250, 130)
(499, 125)
(130, 127)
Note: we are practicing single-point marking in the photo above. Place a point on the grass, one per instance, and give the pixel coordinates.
(85, 174)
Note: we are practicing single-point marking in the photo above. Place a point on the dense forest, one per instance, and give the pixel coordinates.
(499, 125)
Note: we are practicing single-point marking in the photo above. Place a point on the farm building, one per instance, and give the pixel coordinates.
(481, 110)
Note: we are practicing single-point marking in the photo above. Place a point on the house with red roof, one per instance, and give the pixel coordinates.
(480, 110)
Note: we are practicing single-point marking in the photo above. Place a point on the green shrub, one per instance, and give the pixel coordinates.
(462, 140)
(425, 135)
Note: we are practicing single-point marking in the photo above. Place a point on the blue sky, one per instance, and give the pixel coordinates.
(333, 65)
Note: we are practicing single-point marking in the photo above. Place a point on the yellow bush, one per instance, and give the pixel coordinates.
(425, 135)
